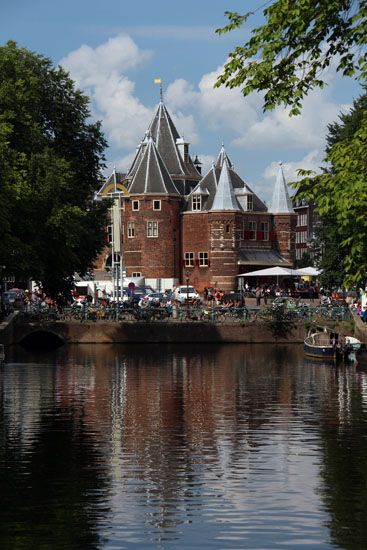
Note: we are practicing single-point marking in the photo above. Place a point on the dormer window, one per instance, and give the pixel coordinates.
(250, 203)
(196, 202)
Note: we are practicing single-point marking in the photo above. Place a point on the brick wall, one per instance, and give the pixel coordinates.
(152, 256)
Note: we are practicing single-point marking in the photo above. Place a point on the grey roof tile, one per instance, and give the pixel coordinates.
(225, 198)
(151, 176)
(280, 202)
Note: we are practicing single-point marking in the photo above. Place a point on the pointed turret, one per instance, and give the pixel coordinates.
(223, 157)
(225, 198)
(281, 202)
(172, 148)
(151, 175)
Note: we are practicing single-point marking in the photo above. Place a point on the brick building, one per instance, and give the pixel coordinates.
(178, 225)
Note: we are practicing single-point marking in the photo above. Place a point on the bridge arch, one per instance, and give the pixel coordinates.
(42, 339)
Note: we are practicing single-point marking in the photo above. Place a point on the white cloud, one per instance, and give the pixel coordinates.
(181, 94)
(311, 161)
(101, 72)
(278, 130)
(226, 109)
(89, 66)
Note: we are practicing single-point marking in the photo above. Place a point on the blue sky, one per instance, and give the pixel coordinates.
(114, 49)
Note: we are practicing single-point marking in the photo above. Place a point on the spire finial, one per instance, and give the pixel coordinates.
(159, 81)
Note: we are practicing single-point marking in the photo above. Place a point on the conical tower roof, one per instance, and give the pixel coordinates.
(166, 138)
(222, 157)
(225, 198)
(281, 202)
(151, 176)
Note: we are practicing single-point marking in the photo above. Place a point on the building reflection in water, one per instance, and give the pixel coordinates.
(163, 443)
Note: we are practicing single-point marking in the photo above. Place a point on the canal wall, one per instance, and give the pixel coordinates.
(16, 331)
(154, 332)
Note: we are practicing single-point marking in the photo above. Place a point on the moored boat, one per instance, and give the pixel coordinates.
(322, 343)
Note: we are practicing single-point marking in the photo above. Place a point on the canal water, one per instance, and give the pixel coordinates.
(181, 447)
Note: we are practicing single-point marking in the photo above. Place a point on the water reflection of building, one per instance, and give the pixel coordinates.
(172, 427)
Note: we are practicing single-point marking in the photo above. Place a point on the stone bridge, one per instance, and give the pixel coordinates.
(56, 333)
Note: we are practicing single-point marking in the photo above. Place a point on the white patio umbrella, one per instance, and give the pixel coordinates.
(308, 271)
(270, 272)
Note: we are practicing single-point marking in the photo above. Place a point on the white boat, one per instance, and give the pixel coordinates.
(353, 343)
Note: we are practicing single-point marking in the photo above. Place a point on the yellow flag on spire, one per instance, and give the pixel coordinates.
(157, 81)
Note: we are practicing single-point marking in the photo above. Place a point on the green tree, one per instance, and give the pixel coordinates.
(341, 197)
(286, 56)
(51, 156)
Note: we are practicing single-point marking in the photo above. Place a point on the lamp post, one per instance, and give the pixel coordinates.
(187, 283)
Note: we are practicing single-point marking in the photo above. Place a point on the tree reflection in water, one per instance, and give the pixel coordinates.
(201, 446)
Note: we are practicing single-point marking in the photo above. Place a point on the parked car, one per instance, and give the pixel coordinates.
(156, 297)
(185, 293)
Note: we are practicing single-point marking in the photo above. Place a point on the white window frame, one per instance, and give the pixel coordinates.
(196, 203)
(158, 202)
(264, 228)
(189, 259)
(203, 259)
(135, 205)
(252, 227)
(130, 230)
(136, 274)
(152, 229)
(249, 203)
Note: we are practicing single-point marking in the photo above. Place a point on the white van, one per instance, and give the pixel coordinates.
(185, 293)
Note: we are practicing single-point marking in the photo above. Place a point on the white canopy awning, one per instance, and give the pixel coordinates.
(308, 271)
(270, 272)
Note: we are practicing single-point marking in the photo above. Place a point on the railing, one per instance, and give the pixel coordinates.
(184, 313)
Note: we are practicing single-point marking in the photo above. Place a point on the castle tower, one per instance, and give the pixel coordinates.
(151, 220)
(284, 217)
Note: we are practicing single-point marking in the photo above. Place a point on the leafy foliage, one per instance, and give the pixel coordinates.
(51, 157)
(340, 195)
(287, 55)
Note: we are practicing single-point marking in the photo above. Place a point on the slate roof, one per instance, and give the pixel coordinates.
(225, 198)
(151, 175)
(262, 257)
(111, 184)
(166, 136)
(207, 188)
(209, 183)
(281, 202)
(222, 157)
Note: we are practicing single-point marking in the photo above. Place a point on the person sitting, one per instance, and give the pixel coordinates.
(364, 315)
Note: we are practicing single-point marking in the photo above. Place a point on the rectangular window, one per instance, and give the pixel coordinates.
(135, 205)
(109, 233)
(189, 259)
(152, 229)
(252, 231)
(264, 228)
(203, 259)
(136, 274)
(130, 230)
(196, 202)
(302, 220)
(156, 205)
(250, 202)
